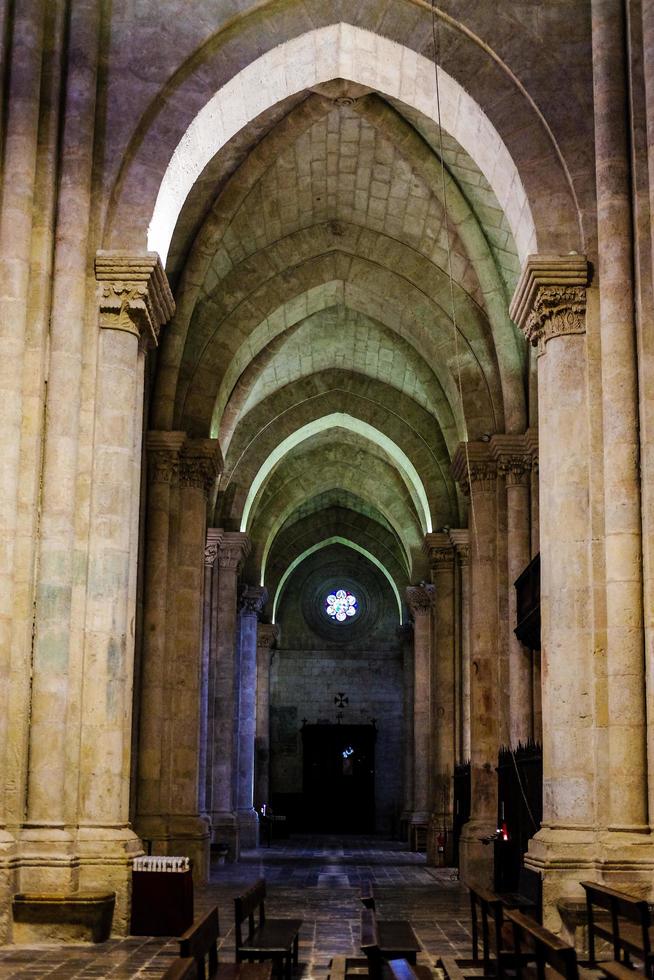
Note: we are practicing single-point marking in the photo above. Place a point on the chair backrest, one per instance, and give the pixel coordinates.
(246, 905)
(182, 969)
(201, 942)
(535, 943)
(370, 944)
(620, 905)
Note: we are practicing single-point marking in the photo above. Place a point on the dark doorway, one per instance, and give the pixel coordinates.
(339, 778)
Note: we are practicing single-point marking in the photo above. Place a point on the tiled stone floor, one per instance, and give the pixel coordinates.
(316, 879)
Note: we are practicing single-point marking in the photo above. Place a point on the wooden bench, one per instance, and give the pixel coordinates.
(628, 929)
(528, 896)
(181, 969)
(394, 934)
(535, 945)
(386, 940)
(487, 916)
(269, 939)
(200, 943)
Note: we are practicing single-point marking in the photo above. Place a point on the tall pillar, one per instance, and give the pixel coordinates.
(267, 637)
(627, 761)
(476, 472)
(459, 539)
(234, 548)
(252, 599)
(441, 560)
(135, 301)
(162, 454)
(214, 537)
(550, 307)
(513, 458)
(405, 633)
(420, 599)
(188, 825)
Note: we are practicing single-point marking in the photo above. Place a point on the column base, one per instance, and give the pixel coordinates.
(476, 860)
(54, 862)
(566, 856)
(8, 884)
(225, 831)
(248, 828)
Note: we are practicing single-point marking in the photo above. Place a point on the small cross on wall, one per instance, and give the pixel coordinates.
(341, 700)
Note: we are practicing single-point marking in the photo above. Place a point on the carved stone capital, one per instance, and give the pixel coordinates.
(133, 294)
(439, 550)
(252, 599)
(474, 468)
(267, 635)
(420, 599)
(200, 464)
(550, 298)
(233, 549)
(514, 454)
(162, 451)
(214, 537)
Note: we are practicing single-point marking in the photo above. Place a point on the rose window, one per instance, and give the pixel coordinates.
(341, 605)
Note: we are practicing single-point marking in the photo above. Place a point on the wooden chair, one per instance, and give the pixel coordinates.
(200, 943)
(394, 938)
(629, 928)
(181, 969)
(267, 939)
(535, 945)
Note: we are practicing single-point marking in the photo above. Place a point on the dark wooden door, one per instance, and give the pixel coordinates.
(339, 778)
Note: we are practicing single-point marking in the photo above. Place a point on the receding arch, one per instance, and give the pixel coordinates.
(319, 56)
(342, 420)
(335, 539)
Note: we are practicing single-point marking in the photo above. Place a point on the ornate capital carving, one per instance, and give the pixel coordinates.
(439, 549)
(162, 450)
(420, 599)
(234, 547)
(133, 294)
(550, 298)
(200, 464)
(267, 635)
(210, 554)
(252, 599)
(459, 536)
(513, 454)
(214, 537)
(474, 468)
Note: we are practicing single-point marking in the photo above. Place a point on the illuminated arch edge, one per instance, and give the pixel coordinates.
(342, 420)
(335, 539)
(319, 56)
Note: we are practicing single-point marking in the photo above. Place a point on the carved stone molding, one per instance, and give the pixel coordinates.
(252, 599)
(459, 536)
(214, 538)
(550, 298)
(439, 550)
(234, 548)
(474, 468)
(162, 449)
(200, 464)
(133, 294)
(267, 635)
(420, 599)
(513, 454)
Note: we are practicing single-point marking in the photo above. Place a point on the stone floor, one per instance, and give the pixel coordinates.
(316, 879)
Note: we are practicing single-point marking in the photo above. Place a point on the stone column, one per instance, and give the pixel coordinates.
(252, 599)
(135, 301)
(163, 449)
(459, 539)
(476, 472)
(267, 637)
(214, 537)
(188, 827)
(550, 307)
(234, 548)
(420, 599)
(406, 638)
(622, 501)
(513, 459)
(441, 560)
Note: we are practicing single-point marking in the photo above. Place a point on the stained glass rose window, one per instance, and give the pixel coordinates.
(341, 605)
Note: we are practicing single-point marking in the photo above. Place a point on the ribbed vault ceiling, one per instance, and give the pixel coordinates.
(316, 277)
